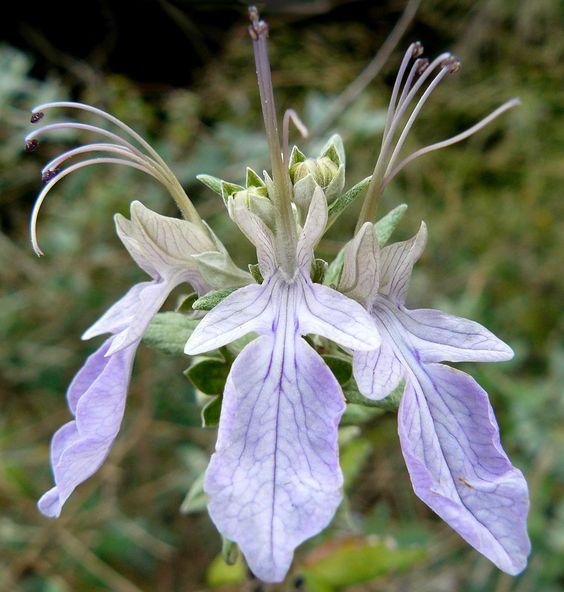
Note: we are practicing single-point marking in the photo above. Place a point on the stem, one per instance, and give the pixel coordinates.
(285, 234)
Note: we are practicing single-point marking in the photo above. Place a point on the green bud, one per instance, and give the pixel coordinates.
(255, 200)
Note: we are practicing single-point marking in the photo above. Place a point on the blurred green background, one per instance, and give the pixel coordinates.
(181, 72)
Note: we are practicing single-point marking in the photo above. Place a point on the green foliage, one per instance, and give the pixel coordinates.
(168, 332)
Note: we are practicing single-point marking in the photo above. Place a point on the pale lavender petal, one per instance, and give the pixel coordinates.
(274, 479)
(247, 310)
(150, 300)
(377, 372)
(80, 447)
(396, 264)
(328, 313)
(442, 337)
(119, 315)
(450, 441)
(259, 235)
(313, 229)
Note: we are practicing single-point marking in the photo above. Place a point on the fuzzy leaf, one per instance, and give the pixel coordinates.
(168, 332)
(211, 299)
(387, 224)
(214, 183)
(346, 199)
(208, 376)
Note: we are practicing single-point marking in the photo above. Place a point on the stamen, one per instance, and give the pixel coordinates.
(291, 116)
(451, 65)
(419, 66)
(31, 145)
(453, 140)
(48, 174)
(60, 175)
(36, 116)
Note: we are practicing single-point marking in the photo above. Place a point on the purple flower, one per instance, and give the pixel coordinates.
(163, 247)
(448, 432)
(274, 479)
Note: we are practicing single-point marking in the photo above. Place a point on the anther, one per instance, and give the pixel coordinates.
(452, 63)
(31, 145)
(35, 117)
(49, 174)
(258, 27)
(422, 66)
(417, 49)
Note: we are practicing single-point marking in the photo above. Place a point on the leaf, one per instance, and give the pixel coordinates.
(345, 200)
(214, 183)
(168, 332)
(208, 376)
(352, 561)
(333, 272)
(341, 368)
(254, 270)
(220, 573)
(211, 299)
(211, 413)
(195, 500)
(229, 551)
(219, 271)
(387, 224)
(318, 270)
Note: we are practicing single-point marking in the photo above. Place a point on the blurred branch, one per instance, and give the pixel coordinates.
(357, 86)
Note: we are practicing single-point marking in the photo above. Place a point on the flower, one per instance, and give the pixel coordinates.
(274, 479)
(448, 432)
(163, 247)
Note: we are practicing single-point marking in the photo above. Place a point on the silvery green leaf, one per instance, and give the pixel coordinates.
(253, 180)
(195, 500)
(333, 272)
(318, 270)
(296, 156)
(219, 271)
(211, 299)
(387, 224)
(168, 332)
(335, 150)
(336, 185)
(346, 199)
(254, 270)
(214, 183)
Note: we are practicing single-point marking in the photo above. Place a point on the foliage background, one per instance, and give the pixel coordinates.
(181, 72)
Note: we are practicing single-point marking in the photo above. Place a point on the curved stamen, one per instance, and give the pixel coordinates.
(53, 181)
(106, 147)
(399, 145)
(418, 67)
(453, 140)
(291, 116)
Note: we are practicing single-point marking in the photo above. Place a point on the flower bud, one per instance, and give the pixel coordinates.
(255, 200)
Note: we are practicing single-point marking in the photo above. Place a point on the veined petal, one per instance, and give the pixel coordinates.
(377, 372)
(119, 315)
(313, 229)
(450, 441)
(396, 264)
(442, 337)
(247, 310)
(360, 276)
(258, 234)
(80, 447)
(274, 479)
(328, 313)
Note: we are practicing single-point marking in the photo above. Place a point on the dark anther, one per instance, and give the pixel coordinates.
(423, 64)
(35, 117)
(49, 174)
(299, 583)
(258, 27)
(417, 49)
(452, 63)
(31, 145)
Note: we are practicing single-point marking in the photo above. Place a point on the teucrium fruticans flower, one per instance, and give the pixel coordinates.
(274, 479)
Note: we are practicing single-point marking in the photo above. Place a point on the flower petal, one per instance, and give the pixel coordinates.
(274, 479)
(450, 441)
(396, 264)
(247, 310)
(442, 337)
(377, 372)
(80, 447)
(328, 313)
(313, 229)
